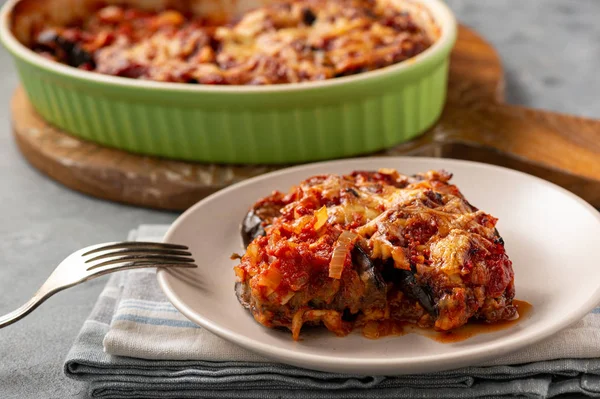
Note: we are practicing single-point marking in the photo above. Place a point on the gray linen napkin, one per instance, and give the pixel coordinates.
(136, 345)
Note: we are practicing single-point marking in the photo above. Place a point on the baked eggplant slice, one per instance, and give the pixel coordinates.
(375, 286)
(406, 281)
(252, 227)
(260, 216)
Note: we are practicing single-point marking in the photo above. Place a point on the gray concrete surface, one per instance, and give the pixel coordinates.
(551, 52)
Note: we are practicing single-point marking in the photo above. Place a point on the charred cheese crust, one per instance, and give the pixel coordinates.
(287, 42)
(421, 254)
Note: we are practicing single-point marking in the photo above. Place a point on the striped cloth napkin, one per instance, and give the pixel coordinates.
(135, 344)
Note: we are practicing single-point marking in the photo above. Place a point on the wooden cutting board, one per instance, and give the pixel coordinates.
(476, 125)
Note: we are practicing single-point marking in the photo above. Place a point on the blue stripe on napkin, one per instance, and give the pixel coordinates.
(155, 321)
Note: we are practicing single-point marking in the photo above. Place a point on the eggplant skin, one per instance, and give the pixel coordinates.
(252, 227)
(421, 293)
(260, 216)
(242, 292)
(406, 281)
(376, 289)
(70, 51)
(375, 283)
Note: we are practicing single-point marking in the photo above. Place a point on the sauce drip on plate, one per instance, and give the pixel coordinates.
(467, 331)
(474, 328)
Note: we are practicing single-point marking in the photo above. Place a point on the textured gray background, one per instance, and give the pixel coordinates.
(551, 52)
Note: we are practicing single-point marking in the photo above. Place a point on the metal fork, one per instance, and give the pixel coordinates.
(98, 260)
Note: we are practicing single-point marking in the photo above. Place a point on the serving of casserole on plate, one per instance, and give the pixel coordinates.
(549, 234)
(234, 82)
(375, 250)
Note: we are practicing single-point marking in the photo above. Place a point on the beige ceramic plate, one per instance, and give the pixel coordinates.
(551, 236)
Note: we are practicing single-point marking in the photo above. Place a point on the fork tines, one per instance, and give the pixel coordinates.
(140, 254)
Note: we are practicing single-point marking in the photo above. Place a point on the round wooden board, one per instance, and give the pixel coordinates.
(476, 79)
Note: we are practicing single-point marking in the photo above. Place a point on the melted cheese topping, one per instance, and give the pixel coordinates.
(420, 220)
(286, 42)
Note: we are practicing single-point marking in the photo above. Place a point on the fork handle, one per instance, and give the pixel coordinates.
(48, 288)
(94, 261)
(23, 311)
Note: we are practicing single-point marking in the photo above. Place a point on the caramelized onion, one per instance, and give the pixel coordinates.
(297, 322)
(340, 252)
(321, 217)
(271, 280)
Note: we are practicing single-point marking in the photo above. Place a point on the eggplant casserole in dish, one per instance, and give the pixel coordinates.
(285, 42)
(373, 250)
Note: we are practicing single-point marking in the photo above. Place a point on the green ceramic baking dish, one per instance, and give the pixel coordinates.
(274, 124)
